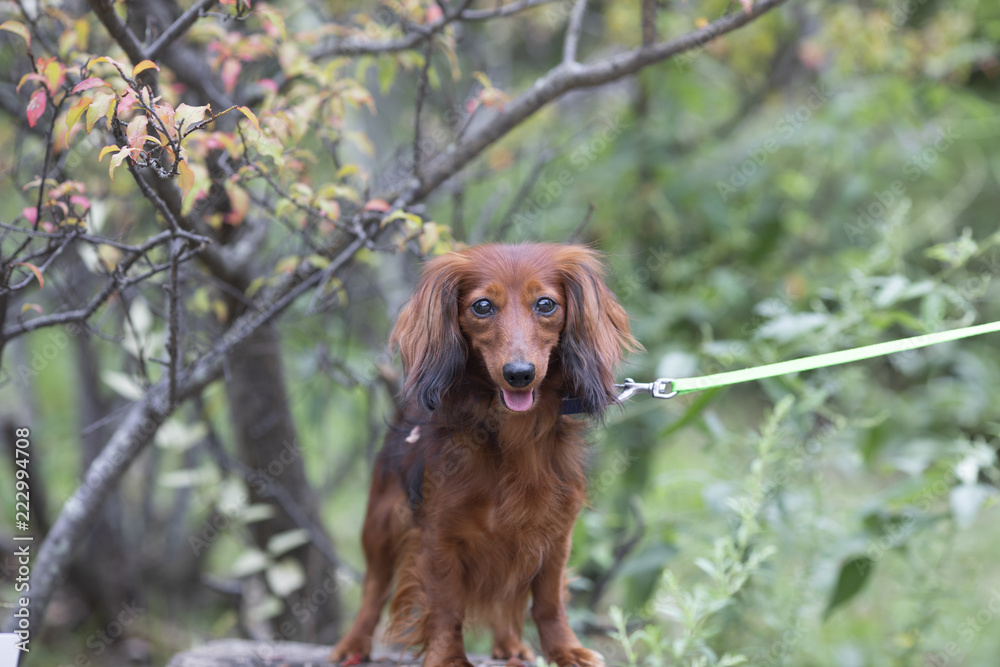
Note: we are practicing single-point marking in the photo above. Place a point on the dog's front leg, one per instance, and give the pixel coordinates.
(559, 642)
(441, 572)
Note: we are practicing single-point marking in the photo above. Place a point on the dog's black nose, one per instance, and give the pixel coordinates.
(519, 373)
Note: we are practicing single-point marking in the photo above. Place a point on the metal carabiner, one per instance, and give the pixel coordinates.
(659, 388)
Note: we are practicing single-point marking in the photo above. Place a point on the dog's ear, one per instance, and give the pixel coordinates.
(596, 334)
(427, 333)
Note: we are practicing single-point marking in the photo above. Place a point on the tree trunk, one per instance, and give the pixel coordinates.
(267, 444)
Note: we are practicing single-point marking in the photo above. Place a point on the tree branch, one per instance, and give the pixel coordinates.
(122, 34)
(361, 47)
(178, 27)
(141, 422)
(570, 76)
(573, 32)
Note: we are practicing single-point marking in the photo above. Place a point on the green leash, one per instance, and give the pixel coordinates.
(668, 387)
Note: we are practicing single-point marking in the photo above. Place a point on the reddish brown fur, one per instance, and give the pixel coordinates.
(472, 505)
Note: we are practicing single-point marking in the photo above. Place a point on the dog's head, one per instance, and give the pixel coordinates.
(517, 309)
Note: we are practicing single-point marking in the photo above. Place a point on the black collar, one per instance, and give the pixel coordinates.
(571, 405)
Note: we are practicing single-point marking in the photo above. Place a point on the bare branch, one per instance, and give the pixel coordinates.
(121, 33)
(173, 322)
(141, 422)
(649, 22)
(523, 192)
(572, 42)
(504, 10)
(575, 236)
(360, 47)
(562, 79)
(81, 314)
(178, 27)
(419, 106)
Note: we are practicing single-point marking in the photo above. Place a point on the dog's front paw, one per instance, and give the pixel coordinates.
(511, 648)
(351, 650)
(576, 657)
(461, 661)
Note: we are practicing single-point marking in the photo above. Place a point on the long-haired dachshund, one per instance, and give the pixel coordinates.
(476, 490)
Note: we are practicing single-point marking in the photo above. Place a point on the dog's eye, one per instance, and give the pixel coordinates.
(483, 308)
(545, 305)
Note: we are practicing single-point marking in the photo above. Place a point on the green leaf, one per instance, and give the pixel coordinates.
(250, 562)
(284, 542)
(387, 68)
(854, 573)
(285, 577)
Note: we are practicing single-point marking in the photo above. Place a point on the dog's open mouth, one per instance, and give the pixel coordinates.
(518, 401)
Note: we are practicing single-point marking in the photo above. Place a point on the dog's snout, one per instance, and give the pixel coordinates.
(519, 373)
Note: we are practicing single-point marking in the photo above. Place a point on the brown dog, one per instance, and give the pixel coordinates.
(481, 478)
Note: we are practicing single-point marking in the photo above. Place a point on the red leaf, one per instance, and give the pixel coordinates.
(86, 84)
(36, 106)
(80, 200)
(230, 73)
(434, 14)
(125, 103)
(31, 214)
(377, 205)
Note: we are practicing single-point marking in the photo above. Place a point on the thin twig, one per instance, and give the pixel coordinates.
(649, 22)
(573, 32)
(419, 105)
(178, 27)
(173, 323)
(562, 79)
(575, 236)
(504, 10)
(523, 192)
(138, 426)
(360, 47)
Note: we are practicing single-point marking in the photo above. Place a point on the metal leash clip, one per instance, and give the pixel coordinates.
(660, 388)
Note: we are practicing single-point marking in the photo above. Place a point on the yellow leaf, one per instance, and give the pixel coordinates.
(109, 256)
(75, 112)
(287, 264)
(482, 79)
(185, 178)
(18, 29)
(253, 118)
(346, 170)
(104, 59)
(34, 269)
(102, 106)
(186, 116)
(143, 66)
(107, 149)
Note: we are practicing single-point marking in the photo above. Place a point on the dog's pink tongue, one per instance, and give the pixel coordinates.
(518, 401)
